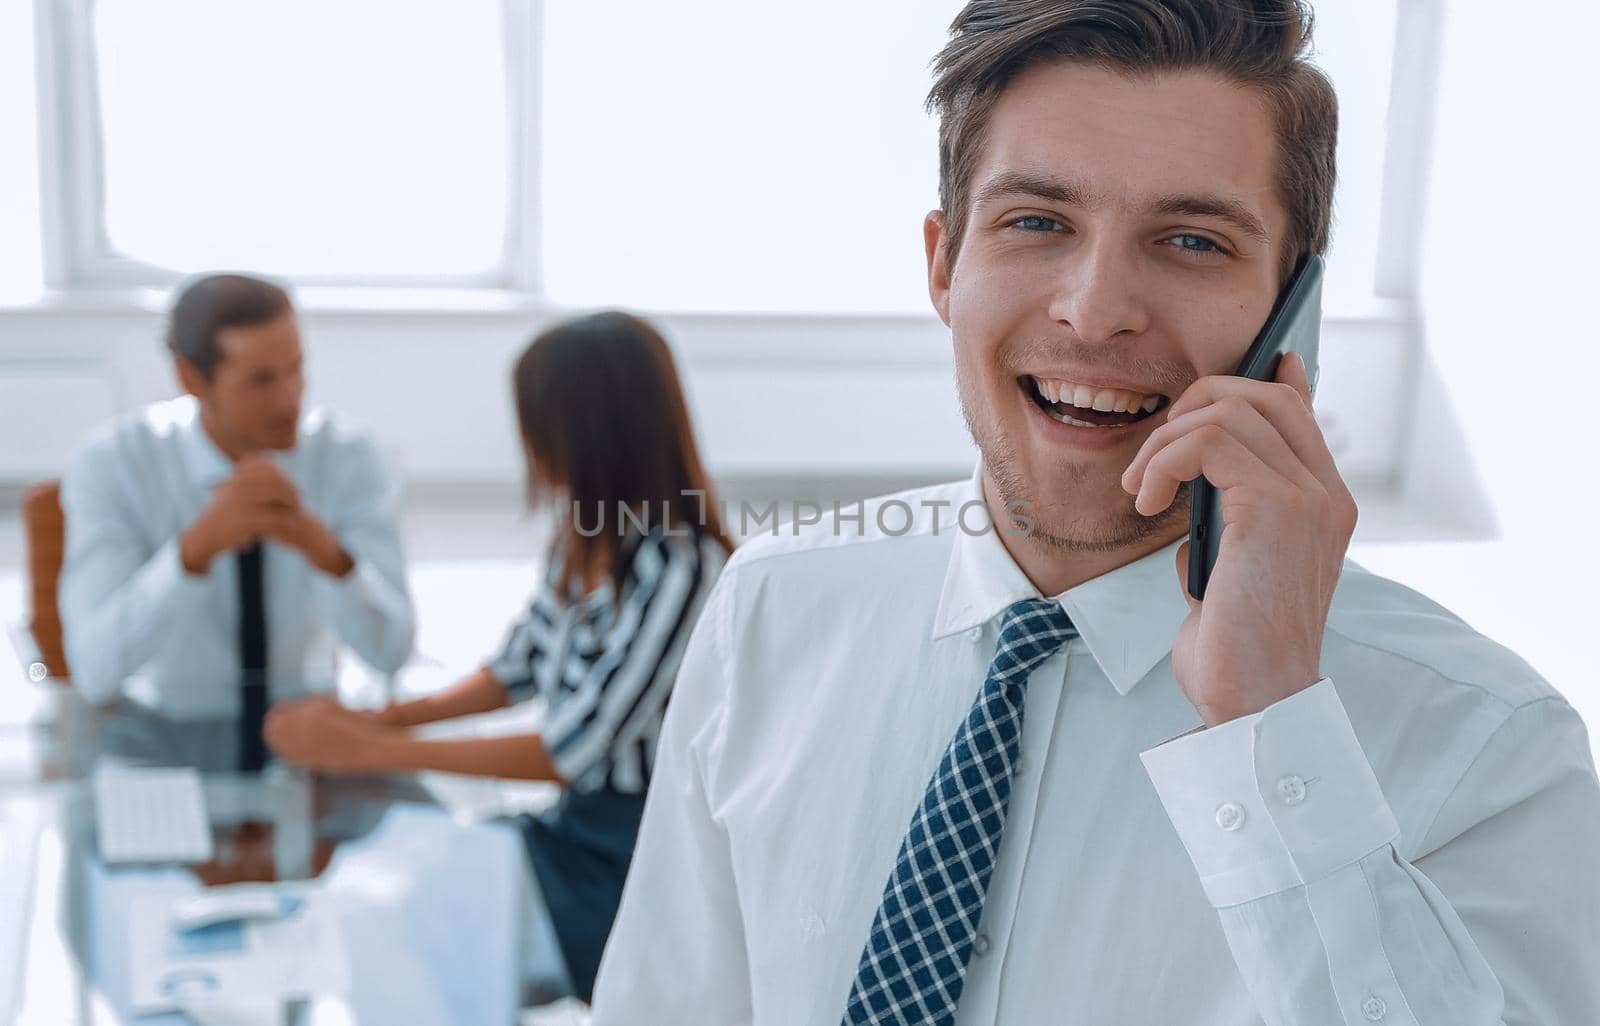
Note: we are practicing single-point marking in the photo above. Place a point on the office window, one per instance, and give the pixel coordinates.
(709, 155)
(363, 140)
(727, 155)
(21, 261)
(722, 155)
(1355, 46)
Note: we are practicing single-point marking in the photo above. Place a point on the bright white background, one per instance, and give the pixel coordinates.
(755, 176)
(362, 137)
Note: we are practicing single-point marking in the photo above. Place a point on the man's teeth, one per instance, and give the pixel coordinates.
(1108, 400)
(1074, 421)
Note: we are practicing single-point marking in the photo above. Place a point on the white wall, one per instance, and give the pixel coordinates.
(772, 395)
(1508, 292)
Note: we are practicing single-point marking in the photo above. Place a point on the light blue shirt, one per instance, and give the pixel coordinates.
(137, 624)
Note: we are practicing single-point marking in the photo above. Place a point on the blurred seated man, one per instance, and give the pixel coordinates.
(220, 543)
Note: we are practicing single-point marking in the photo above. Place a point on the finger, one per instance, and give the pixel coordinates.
(1210, 450)
(252, 470)
(273, 523)
(262, 476)
(277, 489)
(277, 515)
(1241, 420)
(265, 498)
(1285, 408)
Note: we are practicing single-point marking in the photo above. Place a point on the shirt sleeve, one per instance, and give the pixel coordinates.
(676, 955)
(623, 683)
(369, 608)
(529, 642)
(1491, 921)
(119, 599)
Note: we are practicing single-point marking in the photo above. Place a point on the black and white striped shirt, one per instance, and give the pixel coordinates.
(605, 668)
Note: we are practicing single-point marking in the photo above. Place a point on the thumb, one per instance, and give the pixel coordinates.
(1183, 576)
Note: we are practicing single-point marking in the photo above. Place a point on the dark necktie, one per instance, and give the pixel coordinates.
(915, 960)
(252, 660)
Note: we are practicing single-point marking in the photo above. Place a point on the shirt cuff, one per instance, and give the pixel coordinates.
(359, 585)
(1276, 800)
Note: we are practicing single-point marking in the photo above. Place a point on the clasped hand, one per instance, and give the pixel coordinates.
(260, 502)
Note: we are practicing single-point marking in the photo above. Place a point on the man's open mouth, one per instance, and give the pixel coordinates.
(1082, 405)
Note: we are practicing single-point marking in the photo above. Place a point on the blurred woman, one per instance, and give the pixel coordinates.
(606, 433)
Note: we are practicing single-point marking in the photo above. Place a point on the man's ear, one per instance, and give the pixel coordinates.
(191, 378)
(933, 240)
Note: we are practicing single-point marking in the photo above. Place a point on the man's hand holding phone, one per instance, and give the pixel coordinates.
(1257, 637)
(259, 502)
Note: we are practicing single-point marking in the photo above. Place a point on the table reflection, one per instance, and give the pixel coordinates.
(424, 898)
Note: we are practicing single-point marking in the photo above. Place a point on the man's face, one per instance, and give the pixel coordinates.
(252, 399)
(1123, 239)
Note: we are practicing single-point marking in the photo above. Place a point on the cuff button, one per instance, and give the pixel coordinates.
(1292, 790)
(1230, 816)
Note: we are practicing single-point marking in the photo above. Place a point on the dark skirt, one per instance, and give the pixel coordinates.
(579, 851)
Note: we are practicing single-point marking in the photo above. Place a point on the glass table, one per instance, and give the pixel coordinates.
(426, 905)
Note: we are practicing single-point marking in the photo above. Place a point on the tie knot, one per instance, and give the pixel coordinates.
(1031, 631)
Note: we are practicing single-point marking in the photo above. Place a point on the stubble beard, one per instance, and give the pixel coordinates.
(1058, 524)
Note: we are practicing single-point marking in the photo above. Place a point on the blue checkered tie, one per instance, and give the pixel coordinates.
(915, 961)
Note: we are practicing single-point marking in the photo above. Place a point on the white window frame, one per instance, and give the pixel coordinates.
(78, 255)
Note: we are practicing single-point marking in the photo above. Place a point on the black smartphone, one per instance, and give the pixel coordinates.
(1291, 327)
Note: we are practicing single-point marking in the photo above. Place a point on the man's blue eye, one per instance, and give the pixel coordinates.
(1034, 223)
(1197, 244)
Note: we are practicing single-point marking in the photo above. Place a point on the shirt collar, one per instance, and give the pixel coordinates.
(207, 465)
(1128, 617)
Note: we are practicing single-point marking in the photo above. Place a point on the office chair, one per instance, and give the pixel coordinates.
(45, 528)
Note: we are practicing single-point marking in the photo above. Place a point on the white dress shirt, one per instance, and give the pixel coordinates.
(137, 623)
(1415, 839)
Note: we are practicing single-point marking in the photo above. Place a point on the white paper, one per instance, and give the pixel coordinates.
(299, 957)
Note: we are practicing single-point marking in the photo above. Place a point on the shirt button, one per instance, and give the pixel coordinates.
(980, 945)
(1019, 767)
(1374, 1008)
(974, 633)
(37, 672)
(1230, 816)
(1292, 790)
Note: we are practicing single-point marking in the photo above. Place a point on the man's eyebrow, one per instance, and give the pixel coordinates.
(1032, 183)
(1066, 191)
(1219, 207)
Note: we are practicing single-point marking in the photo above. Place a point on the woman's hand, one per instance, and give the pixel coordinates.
(321, 734)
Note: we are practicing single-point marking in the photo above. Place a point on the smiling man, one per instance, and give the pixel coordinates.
(941, 775)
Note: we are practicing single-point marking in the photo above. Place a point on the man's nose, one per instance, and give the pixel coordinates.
(289, 392)
(1099, 292)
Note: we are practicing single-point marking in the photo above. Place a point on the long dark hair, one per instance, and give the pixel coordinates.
(603, 420)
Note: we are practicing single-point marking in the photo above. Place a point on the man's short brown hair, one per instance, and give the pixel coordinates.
(207, 305)
(1261, 44)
